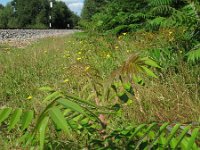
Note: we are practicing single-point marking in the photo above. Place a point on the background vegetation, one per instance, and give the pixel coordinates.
(35, 14)
(130, 81)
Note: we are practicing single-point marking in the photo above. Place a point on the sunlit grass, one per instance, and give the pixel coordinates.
(66, 64)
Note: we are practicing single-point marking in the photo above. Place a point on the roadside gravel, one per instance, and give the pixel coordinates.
(21, 37)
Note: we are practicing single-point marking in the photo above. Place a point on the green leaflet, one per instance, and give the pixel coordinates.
(180, 138)
(149, 72)
(150, 62)
(162, 128)
(24, 137)
(172, 134)
(52, 97)
(27, 119)
(193, 55)
(15, 118)
(58, 118)
(138, 129)
(71, 105)
(46, 89)
(79, 100)
(160, 2)
(4, 114)
(195, 133)
(42, 131)
(145, 134)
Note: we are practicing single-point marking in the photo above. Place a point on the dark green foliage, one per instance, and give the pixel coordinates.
(150, 136)
(117, 13)
(26, 11)
(194, 54)
(91, 7)
(61, 15)
(35, 14)
(119, 16)
(1, 6)
(5, 16)
(148, 13)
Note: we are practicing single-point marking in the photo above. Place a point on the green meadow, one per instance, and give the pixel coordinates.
(112, 74)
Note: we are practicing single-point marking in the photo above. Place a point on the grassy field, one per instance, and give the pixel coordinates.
(62, 61)
(72, 64)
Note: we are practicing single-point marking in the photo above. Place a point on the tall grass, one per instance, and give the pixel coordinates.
(64, 63)
(82, 64)
(24, 70)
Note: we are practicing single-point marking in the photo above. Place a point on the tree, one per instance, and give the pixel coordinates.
(127, 15)
(35, 14)
(1, 6)
(26, 11)
(5, 15)
(91, 7)
(61, 15)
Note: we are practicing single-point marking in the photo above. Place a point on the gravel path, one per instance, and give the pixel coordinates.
(23, 37)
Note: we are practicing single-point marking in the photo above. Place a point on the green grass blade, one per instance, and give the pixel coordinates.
(195, 133)
(184, 132)
(42, 131)
(5, 114)
(15, 118)
(172, 133)
(58, 118)
(27, 119)
(71, 105)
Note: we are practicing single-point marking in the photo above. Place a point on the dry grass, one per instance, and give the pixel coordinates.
(169, 99)
(172, 97)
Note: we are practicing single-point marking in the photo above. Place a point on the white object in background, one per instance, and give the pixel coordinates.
(49, 25)
(51, 4)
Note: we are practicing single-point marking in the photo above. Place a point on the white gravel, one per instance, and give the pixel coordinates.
(24, 37)
(20, 34)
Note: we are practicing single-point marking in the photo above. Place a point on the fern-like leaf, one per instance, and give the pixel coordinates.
(194, 55)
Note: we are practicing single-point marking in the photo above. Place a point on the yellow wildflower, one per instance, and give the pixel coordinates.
(78, 58)
(79, 53)
(66, 55)
(124, 33)
(29, 98)
(119, 37)
(87, 68)
(108, 55)
(66, 80)
(116, 47)
(170, 32)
